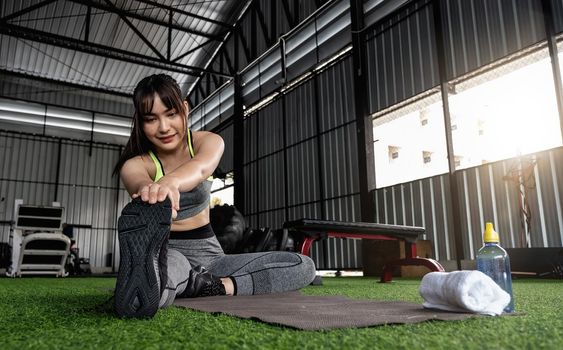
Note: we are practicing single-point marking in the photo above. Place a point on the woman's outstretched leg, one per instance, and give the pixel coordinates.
(267, 272)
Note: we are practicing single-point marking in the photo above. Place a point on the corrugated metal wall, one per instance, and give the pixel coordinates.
(226, 163)
(301, 161)
(401, 49)
(401, 56)
(487, 195)
(557, 8)
(479, 32)
(84, 187)
(402, 62)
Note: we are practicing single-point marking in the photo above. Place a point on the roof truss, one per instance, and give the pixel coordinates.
(161, 61)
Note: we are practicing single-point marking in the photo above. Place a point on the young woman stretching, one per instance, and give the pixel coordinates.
(168, 248)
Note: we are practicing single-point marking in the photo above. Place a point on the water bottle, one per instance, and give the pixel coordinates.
(493, 261)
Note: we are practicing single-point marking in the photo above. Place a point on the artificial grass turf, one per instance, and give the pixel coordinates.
(55, 313)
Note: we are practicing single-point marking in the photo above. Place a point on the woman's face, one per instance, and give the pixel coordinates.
(164, 127)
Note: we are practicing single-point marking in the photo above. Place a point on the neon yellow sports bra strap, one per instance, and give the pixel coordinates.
(159, 172)
(190, 143)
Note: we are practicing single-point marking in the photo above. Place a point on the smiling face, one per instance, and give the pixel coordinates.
(165, 127)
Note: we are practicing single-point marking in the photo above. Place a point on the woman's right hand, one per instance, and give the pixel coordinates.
(158, 191)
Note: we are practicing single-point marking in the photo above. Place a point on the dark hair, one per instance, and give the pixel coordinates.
(143, 99)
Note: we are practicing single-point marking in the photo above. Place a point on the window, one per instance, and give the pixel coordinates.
(393, 153)
(222, 190)
(426, 157)
(505, 111)
(423, 117)
(402, 134)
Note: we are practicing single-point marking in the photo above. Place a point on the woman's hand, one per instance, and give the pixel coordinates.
(158, 191)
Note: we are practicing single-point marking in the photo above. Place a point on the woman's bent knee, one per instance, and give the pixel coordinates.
(309, 270)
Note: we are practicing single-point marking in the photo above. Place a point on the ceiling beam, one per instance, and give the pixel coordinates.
(27, 10)
(186, 13)
(230, 35)
(192, 50)
(101, 50)
(134, 29)
(124, 14)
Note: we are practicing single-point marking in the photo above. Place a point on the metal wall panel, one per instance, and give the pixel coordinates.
(424, 202)
(340, 162)
(321, 174)
(478, 32)
(303, 173)
(336, 95)
(271, 182)
(250, 138)
(27, 171)
(250, 191)
(226, 163)
(297, 212)
(300, 116)
(84, 187)
(306, 8)
(401, 56)
(217, 108)
(557, 7)
(486, 195)
(270, 122)
(274, 218)
(376, 10)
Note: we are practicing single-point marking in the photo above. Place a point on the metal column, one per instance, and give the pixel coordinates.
(454, 190)
(364, 126)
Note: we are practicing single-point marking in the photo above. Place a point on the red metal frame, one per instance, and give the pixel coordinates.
(387, 276)
(431, 264)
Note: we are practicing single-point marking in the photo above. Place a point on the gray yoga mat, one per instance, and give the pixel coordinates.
(305, 312)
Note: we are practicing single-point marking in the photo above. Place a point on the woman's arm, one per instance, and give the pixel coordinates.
(208, 148)
(135, 176)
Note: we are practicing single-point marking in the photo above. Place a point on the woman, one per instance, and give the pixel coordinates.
(165, 168)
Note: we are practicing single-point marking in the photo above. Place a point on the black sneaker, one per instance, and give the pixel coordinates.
(143, 243)
(201, 283)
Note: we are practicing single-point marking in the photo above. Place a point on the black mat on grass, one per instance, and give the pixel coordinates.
(306, 312)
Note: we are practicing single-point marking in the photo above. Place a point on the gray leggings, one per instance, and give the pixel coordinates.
(252, 273)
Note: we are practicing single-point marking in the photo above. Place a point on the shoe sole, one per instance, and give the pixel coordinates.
(143, 232)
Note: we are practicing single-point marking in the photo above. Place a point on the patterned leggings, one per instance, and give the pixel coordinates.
(252, 273)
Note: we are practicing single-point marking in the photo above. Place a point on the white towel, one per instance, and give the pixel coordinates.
(466, 291)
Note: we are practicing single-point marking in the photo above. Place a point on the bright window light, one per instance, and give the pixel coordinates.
(505, 112)
(410, 141)
(224, 196)
(496, 113)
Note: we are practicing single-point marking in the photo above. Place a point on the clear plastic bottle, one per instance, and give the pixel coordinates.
(493, 261)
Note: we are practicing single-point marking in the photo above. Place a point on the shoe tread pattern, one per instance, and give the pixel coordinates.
(143, 231)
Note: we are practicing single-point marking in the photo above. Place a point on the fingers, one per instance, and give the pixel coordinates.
(144, 193)
(157, 192)
(174, 196)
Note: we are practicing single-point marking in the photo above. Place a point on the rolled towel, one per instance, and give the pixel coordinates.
(466, 291)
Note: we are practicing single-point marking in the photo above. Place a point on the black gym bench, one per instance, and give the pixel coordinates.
(312, 230)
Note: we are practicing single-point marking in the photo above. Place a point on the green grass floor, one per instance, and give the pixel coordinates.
(59, 313)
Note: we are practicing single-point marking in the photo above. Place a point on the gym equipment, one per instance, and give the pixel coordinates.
(312, 230)
(38, 245)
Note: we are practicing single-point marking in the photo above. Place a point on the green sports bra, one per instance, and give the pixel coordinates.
(191, 202)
